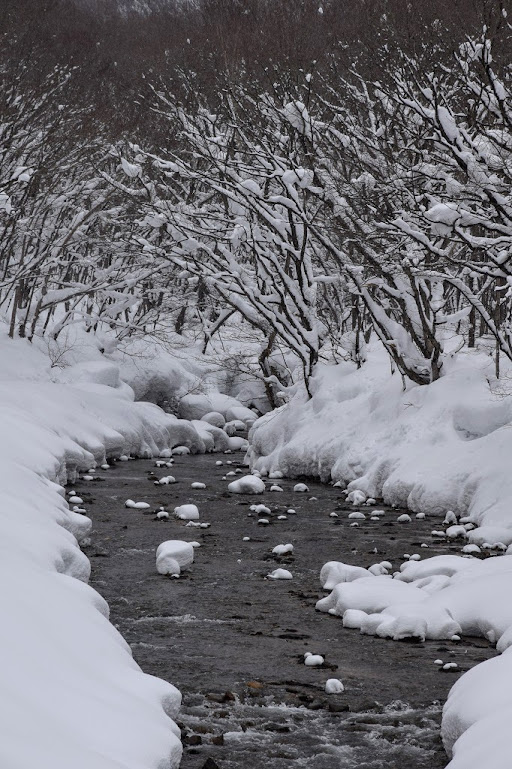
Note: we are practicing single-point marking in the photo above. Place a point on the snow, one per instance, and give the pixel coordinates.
(280, 574)
(174, 555)
(440, 450)
(313, 660)
(166, 480)
(334, 686)
(214, 418)
(72, 695)
(136, 505)
(440, 598)
(283, 549)
(187, 512)
(248, 484)
(432, 449)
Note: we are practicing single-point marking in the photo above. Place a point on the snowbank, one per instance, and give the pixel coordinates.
(72, 696)
(434, 448)
(446, 446)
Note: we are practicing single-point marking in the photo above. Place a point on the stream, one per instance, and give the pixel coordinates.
(233, 641)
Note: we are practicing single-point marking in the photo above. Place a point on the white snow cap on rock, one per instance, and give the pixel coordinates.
(260, 509)
(214, 418)
(166, 480)
(356, 497)
(280, 574)
(174, 555)
(187, 512)
(136, 505)
(238, 444)
(301, 487)
(283, 549)
(334, 686)
(313, 660)
(248, 484)
(334, 572)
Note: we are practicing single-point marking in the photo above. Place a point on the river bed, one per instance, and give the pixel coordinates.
(233, 641)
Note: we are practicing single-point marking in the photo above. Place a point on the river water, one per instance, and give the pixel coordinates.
(233, 641)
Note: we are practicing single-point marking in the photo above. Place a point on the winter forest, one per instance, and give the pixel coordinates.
(255, 250)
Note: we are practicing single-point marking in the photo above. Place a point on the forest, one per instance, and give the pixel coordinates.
(319, 174)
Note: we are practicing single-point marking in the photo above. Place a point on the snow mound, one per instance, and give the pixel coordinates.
(174, 555)
(214, 418)
(248, 484)
(280, 574)
(283, 549)
(334, 572)
(334, 686)
(187, 512)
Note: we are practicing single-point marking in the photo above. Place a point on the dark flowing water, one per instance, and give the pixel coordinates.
(234, 642)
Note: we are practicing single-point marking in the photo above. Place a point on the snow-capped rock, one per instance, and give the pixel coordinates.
(248, 484)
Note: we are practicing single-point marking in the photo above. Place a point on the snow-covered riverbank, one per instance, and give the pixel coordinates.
(64, 669)
(71, 693)
(438, 448)
(434, 448)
